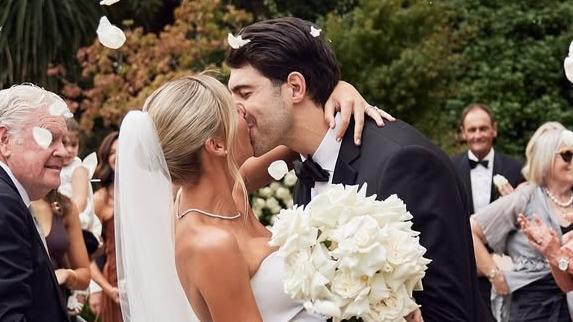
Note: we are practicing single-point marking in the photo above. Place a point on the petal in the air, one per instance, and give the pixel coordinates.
(42, 136)
(107, 2)
(315, 32)
(237, 42)
(110, 35)
(278, 169)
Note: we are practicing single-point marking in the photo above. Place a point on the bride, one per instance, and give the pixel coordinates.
(205, 256)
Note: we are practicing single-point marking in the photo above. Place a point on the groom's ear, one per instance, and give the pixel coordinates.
(215, 146)
(297, 84)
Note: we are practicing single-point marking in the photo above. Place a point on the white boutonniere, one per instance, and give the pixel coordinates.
(499, 180)
(237, 42)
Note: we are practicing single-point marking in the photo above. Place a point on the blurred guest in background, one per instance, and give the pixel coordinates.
(478, 166)
(535, 295)
(103, 203)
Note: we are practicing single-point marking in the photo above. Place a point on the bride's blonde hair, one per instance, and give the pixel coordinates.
(186, 112)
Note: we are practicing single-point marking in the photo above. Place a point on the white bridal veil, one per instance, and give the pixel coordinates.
(144, 228)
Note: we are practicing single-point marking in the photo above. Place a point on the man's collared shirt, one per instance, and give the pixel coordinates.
(26, 199)
(481, 180)
(326, 155)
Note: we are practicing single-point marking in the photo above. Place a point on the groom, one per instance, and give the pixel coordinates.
(283, 75)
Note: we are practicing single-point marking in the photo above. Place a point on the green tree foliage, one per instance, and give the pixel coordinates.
(513, 61)
(38, 37)
(37, 33)
(116, 81)
(401, 55)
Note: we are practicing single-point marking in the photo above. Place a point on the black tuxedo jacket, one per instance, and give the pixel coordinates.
(28, 287)
(502, 164)
(397, 159)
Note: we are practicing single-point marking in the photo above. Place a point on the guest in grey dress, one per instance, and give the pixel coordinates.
(530, 289)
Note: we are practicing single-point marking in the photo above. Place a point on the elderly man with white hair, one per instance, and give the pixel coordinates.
(31, 154)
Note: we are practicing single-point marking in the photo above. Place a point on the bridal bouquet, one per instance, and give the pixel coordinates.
(347, 255)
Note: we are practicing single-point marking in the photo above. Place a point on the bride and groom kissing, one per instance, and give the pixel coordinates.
(213, 262)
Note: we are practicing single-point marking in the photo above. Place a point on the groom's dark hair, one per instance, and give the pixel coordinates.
(280, 46)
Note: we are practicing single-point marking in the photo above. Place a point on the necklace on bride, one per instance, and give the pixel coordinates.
(556, 201)
(208, 214)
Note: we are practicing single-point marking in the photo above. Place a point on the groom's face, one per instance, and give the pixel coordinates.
(267, 109)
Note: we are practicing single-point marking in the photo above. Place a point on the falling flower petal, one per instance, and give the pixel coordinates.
(278, 169)
(110, 35)
(315, 32)
(568, 66)
(42, 136)
(107, 2)
(90, 163)
(58, 108)
(237, 42)
(499, 180)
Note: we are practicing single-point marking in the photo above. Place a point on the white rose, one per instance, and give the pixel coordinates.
(359, 248)
(397, 305)
(292, 232)
(299, 273)
(272, 203)
(265, 192)
(258, 202)
(290, 179)
(283, 193)
(354, 290)
(276, 210)
(274, 186)
(303, 280)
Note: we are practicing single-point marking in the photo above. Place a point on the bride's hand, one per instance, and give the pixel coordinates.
(348, 101)
(415, 316)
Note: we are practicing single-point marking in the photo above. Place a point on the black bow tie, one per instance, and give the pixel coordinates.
(309, 172)
(474, 163)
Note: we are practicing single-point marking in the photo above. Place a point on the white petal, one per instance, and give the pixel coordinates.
(236, 42)
(58, 108)
(90, 163)
(315, 32)
(278, 169)
(42, 136)
(571, 49)
(110, 35)
(568, 66)
(107, 2)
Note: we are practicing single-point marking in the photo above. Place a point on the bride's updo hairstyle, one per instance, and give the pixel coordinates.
(186, 112)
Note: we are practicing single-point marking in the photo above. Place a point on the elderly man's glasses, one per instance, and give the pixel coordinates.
(566, 155)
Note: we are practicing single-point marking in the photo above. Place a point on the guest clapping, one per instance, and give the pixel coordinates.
(547, 193)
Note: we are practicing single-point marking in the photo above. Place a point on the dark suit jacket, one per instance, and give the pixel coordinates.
(397, 159)
(28, 287)
(502, 164)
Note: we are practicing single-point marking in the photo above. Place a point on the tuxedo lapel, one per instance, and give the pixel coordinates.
(30, 220)
(468, 181)
(497, 169)
(344, 172)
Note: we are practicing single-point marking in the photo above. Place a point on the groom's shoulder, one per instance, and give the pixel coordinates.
(398, 133)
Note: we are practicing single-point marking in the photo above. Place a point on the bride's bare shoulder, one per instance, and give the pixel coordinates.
(206, 241)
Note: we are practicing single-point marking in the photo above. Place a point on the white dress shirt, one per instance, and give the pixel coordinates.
(26, 199)
(481, 180)
(326, 155)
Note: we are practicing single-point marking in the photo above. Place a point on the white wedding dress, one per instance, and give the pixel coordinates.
(274, 304)
(149, 287)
